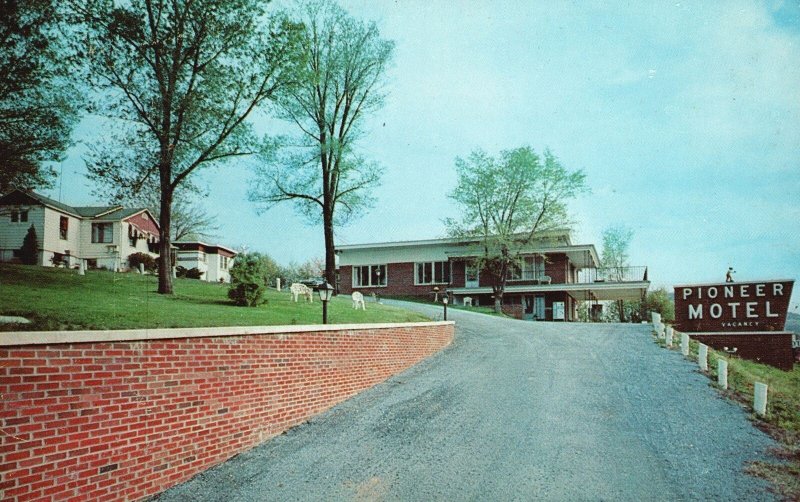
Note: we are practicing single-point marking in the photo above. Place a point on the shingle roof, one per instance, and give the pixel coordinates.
(116, 212)
(13, 196)
(95, 211)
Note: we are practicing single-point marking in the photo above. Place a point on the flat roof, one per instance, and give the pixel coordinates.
(441, 240)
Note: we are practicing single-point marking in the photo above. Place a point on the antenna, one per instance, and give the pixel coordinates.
(60, 181)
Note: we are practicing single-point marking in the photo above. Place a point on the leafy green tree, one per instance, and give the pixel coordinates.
(341, 83)
(508, 202)
(659, 301)
(38, 101)
(614, 261)
(178, 81)
(249, 279)
(29, 252)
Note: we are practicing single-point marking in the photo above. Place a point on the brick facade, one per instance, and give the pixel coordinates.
(400, 282)
(127, 419)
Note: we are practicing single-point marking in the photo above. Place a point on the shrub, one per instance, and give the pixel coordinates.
(150, 263)
(29, 252)
(249, 277)
(659, 301)
(189, 273)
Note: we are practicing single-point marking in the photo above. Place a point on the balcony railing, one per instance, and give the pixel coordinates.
(612, 274)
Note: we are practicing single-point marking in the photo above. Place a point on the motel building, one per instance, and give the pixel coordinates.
(553, 277)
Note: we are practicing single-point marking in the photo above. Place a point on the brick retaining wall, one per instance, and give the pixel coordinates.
(140, 411)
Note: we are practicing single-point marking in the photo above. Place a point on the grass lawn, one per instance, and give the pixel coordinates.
(782, 421)
(60, 299)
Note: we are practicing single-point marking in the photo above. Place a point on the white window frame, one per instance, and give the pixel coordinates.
(95, 237)
(448, 267)
(531, 269)
(19, 216)
(384, 277)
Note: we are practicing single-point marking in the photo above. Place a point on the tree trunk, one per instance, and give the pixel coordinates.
(165, 244)
(621, 309)
(330, 254)
(498, 304)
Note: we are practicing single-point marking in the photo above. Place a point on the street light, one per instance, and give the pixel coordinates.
(325, 291)
(435, 294)
(444, 302)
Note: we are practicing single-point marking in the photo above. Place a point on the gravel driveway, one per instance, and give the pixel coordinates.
(513, 410)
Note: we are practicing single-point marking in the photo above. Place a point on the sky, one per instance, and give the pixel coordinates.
(684, 115)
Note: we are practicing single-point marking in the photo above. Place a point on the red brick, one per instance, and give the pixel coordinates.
(161, 411)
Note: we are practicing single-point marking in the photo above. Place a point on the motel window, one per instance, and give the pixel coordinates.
(369, 275)
(433, 272)
(103, 233)
(63, 227)
(528, 268)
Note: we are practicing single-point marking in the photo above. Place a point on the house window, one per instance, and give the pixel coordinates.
(369, 275)
(103, 233)
(19, 216)
(433, 272)
(63, 227)
(224, 261)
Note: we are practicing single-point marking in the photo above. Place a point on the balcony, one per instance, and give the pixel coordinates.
(612, 274)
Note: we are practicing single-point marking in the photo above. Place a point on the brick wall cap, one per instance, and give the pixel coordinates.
(16, 338)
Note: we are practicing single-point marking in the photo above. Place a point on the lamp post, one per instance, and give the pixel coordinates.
(325, 291)
(435, 294)
(444, 302)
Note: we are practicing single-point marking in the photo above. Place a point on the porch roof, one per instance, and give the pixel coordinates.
(579, 255)
(579, 291)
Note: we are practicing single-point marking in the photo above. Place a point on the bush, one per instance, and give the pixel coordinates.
(249, 279)
(150, 263)
(29, 252)
(189, 273)
(659, 301)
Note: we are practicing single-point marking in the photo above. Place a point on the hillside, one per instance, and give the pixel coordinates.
(55, 298)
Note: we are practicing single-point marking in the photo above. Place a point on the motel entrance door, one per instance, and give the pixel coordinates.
(533, 308)
(472, 275)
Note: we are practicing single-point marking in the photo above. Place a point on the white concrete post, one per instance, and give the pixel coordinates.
(655, 317)
(278, 283)
(760, 399)
(141, 268)
(685, 344)
(702, 357)
(661, 331)
(722, 373)
(81, 267)
(669, 336)
(174, 272)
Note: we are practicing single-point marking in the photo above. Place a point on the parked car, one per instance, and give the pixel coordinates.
(313, 283)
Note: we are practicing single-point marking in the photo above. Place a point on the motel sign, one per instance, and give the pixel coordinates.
(746, 319)
(746, 306)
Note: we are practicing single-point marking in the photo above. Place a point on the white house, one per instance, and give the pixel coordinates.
(103, 236)
(213, 261)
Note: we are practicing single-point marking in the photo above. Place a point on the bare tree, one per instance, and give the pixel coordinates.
(190, 220)
(184, 76)
(345, 61)
(614, 259)
(507, 202)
